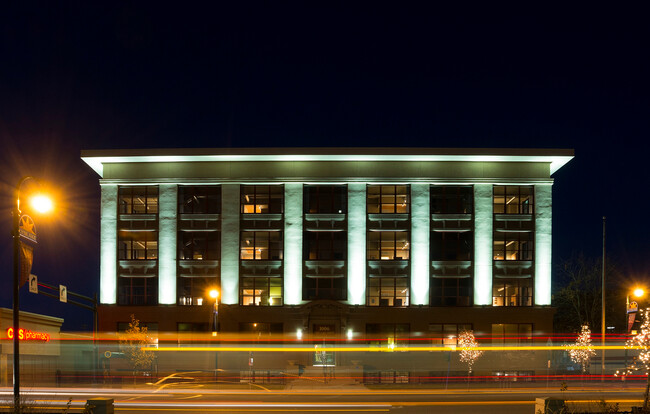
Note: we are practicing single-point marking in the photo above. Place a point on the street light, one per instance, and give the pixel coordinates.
(22, 226)
(214, 294)
(631, 309)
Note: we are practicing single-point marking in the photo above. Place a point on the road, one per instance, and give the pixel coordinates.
(343, 400)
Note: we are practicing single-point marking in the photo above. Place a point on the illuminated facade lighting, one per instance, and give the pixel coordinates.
(386, 231)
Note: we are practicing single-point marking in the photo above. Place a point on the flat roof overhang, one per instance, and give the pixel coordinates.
(555, 157)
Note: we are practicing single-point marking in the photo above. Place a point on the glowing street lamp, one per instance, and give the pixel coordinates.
(22, 229)
(214, 294)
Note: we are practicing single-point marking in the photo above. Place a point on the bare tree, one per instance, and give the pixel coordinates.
(133, 343)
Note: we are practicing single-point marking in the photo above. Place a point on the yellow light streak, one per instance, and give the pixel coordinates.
(280, 348)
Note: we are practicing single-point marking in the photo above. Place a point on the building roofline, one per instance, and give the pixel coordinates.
(97, 158)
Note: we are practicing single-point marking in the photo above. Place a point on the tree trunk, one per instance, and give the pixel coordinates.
(645, 394)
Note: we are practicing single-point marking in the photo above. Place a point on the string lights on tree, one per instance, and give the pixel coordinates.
(469, 351)
(582, 350)
(641, 342)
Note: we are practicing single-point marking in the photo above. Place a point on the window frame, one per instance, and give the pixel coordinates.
(258, 193)
(384, 192)
(514, 192)
(383, 286)
(128, 208)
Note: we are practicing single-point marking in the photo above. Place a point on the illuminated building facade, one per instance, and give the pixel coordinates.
(359, 241)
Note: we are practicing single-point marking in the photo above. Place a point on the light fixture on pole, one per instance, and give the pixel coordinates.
(214, 294)
(631, 308)
(24, 237)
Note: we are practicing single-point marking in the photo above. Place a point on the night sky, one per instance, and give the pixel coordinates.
(93, 75)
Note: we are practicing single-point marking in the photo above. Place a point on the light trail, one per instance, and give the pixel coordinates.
(381, 349)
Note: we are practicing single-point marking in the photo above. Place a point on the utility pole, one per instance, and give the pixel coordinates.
(602, 325)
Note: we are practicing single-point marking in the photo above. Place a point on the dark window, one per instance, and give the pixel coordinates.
(137, 245)
(513, 199)
(514, 333)
(452, 245)
(141, 199)
(326, 245)
(388, 199)
(452, 199)
(329, 288)
(137, 291)
(396, 334)
(513, 245)
(199, 245)
(512, 292)
(388, 245)
(446, 334)
(262, 199)
(388, 291)
(152, 327)
(191, 327)
(204, 199)
(261, 245)
(260, 327)
(260, 291)
(450, 291)
(325, 199)
(194, 291)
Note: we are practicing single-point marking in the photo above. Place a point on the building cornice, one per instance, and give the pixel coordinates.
(555, 157)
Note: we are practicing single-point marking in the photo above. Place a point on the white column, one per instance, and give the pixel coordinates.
(108, 245)
(420, 223)
(292, 243)
(543, 224)
(483, 208)
(357, 243)
(230, 244)
(167, 225)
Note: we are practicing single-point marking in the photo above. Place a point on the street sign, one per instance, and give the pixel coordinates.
(33, 284)
(63, 294)
(632, 307)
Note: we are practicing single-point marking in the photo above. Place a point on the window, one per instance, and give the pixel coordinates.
(329, 288)
(387, 199)
(388, 291)
(392, 334)
(137, 291)
(452, 199)
(261, 245)
(513, 246)
(137, 245)
(260, 328)
(512, 292)
(261, 291)
(326, 245)
(199, 245)
(446, 334)
(204, 199)
(262, 199)
(452, 245)
(193, 291)
(517, 333)
(448, 291)
(513, 199)
(325, 199)
(138, 199)
(388, 245)
(152, 327)
(191, 327)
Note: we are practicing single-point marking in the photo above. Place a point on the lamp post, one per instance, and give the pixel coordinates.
(214, 294)
(631, 308)
(40, 204)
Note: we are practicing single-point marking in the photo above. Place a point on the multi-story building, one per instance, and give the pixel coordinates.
(348, 241)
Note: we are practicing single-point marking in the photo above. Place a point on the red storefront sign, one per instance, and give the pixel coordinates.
(28, 335)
